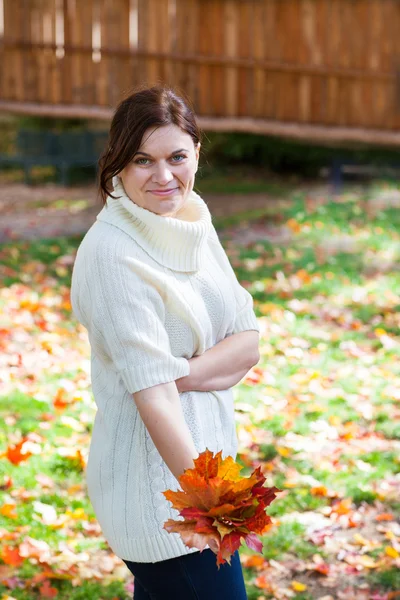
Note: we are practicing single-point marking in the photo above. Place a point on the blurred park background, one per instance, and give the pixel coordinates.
(299, 101)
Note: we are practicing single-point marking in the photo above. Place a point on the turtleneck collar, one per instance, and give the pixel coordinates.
(175, 242)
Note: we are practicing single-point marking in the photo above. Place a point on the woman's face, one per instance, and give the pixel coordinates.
(161, 175)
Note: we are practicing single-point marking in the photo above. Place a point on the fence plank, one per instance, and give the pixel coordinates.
(231, 40)
(395, 28)
(187, 23)
(322, 62)
(115, 81)
(216, 41)
(6, 53)
(272, 52)
(204, 104)
(259, 75)
(13, 16)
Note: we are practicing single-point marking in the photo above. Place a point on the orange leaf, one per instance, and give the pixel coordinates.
(293, 225)
(189, 535)
(11, 556)
(14, 453)
(8, 510)
(263, 583)
(343, 507)
(59, 402)
(385, 517)
(46, 591)
(320, 490)
(255, 561)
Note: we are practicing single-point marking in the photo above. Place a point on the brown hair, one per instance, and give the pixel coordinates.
(149, 107)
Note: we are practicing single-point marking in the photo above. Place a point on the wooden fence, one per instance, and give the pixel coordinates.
(317, 69)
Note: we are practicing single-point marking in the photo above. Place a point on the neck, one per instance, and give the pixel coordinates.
(176, 242)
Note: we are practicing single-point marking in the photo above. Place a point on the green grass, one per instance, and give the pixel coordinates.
(389, 579)
(287, 539)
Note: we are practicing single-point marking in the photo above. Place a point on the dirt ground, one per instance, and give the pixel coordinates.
(32, 212)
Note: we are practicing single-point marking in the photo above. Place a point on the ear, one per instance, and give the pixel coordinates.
(197, 149)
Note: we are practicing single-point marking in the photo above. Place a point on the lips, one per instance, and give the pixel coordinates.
(164, 193)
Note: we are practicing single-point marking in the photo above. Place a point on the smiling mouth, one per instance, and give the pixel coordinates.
(163, 192)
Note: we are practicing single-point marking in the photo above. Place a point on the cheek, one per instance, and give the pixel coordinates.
(186, 172)
(136, 178)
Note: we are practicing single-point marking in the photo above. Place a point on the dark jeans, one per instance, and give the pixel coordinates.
(189, 577)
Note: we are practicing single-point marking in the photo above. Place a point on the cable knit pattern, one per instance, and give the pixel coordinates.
(152, 292)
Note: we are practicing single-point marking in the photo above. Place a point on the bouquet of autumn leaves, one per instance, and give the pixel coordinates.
(220, 507)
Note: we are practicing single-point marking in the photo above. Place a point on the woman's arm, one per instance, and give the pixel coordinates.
(223, 365)
(161, 412)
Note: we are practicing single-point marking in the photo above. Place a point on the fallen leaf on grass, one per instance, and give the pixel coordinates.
(8, 510)
(15, 453)
(256, 561)
(11, 556)
(298, 586)
(46, 591)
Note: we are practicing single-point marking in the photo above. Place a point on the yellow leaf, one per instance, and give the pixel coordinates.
(368, 562)
(359, 539)
(77, 487)
(284, 451)
(392, 552)
(379, 331)
(77, 514)
(293, 225)
(298, 586)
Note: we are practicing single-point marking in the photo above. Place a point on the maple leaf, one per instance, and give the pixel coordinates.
(15, 454)
(46, 591)
(59, 401)
(8, 510)
(220, 507)
(11, 556)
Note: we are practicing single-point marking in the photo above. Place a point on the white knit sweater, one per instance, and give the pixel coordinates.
(152, 292)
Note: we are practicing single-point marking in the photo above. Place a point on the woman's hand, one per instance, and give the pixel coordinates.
(223, 365)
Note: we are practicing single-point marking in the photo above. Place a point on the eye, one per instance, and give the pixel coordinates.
(138, 161)
(178, 156)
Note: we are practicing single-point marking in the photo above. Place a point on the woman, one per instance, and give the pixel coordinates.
(168, 324)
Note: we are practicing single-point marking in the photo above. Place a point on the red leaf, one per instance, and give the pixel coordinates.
(253, 542)
(322, 568)
(46, 591)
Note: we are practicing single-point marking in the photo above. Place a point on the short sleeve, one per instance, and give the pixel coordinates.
(246, 319)
(126, 322)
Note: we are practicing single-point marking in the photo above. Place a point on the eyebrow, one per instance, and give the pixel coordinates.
(174, 152)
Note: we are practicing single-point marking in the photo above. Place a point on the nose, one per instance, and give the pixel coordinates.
(162, 174)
